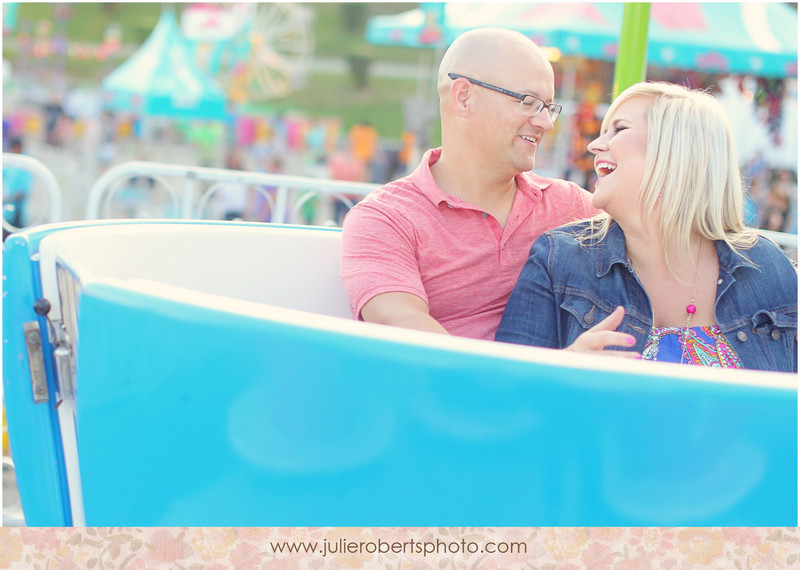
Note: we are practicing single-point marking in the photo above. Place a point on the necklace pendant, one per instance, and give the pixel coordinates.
(691, 309)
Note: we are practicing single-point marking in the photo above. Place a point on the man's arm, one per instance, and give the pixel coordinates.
(401, 310)
(380, 271)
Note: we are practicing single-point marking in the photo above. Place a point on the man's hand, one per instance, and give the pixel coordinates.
(604, 334)
(401, 310)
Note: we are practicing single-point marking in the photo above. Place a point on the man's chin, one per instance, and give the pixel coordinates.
(522, 163)
(528, 165)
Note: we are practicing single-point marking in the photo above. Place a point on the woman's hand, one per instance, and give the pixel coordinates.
(604, 334)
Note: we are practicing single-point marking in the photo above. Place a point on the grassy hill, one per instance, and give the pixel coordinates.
(338, 31)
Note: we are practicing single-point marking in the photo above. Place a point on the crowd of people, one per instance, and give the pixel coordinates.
(291, 144)
(771, 199)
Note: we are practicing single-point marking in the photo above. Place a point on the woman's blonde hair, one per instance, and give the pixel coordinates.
(691, 174)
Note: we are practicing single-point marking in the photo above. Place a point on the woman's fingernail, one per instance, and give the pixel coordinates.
(639, 357)
(631, 341)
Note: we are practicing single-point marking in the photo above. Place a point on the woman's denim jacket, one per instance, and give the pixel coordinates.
(565, 288)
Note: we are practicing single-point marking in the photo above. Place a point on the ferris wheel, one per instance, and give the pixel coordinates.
(257, 51)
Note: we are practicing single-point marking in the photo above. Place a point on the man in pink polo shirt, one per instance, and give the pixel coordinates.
(441, 249)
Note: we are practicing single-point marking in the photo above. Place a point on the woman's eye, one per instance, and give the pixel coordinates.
(619, 128)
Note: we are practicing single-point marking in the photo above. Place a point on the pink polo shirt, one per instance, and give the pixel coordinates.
(408, 236)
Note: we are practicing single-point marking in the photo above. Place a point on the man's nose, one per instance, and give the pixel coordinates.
(543, 121)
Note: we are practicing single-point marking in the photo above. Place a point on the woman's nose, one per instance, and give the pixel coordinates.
(597, 145)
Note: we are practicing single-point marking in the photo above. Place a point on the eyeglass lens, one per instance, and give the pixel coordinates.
(533, 106)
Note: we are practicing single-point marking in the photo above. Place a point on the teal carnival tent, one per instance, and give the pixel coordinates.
(162, 80)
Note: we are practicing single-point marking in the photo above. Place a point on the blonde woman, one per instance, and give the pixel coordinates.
(668, 272)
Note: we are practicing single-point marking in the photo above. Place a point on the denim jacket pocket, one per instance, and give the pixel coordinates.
(775, 332)
(585, 313)
(580, 313)
(781, 320)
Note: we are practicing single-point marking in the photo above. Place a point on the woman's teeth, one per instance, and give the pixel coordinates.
(605, 169)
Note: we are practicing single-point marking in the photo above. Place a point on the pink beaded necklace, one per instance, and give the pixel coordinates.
(691, 309)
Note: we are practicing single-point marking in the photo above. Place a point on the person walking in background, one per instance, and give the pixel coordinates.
(53, 113)
(345, 165)
(777, 203)
(233, 197)
(363, 139)
(17, 187)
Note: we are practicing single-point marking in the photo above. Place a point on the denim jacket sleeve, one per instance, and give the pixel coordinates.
(532, 310)
(756, 306)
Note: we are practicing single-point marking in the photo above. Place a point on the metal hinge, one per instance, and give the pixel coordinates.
(62, 352)
(33, 342)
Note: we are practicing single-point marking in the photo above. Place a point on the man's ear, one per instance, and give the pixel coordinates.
(460, 96)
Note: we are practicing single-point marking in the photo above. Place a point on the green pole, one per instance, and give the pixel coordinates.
(631, 66)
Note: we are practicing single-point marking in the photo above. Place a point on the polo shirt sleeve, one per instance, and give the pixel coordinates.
(531, 314)
(583, 201)
(379, 255)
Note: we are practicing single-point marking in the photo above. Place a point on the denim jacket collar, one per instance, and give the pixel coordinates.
(730, 260)
(612, 250)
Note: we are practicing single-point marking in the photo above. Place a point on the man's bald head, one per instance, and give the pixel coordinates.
(477, 52)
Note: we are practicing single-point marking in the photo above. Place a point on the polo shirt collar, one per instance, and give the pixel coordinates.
(531, 185)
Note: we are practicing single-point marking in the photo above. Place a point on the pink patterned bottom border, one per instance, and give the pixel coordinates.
(401, 548)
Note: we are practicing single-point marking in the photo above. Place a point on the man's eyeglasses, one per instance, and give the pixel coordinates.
(531, 105)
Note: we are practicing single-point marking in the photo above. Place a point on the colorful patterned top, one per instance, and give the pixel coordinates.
(704, 346)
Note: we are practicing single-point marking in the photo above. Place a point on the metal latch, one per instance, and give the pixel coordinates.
(33, 342)
(65, 371)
